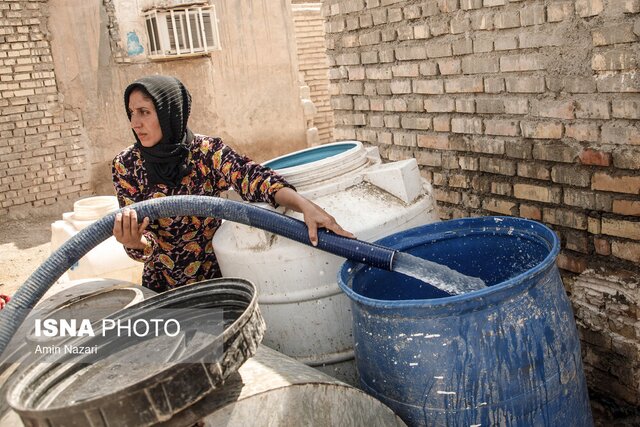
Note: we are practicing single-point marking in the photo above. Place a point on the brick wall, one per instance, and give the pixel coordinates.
(41, 154)
(313, 63)
(528, 108)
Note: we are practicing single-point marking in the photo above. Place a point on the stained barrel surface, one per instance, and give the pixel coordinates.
(505, 355)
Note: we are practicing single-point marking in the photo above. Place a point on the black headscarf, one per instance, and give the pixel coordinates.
(166, 162)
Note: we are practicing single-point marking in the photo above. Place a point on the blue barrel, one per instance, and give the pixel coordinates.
(506, 355)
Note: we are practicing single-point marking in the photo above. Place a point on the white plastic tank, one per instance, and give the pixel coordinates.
(308, 317)
(108, 259)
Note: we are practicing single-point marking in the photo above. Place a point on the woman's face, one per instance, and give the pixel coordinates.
(144, 119)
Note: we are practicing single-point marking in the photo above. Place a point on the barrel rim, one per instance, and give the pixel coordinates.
(353, 145)
(510, 286)
(240, 339)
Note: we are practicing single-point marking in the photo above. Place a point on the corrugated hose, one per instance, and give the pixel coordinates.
(26, 297)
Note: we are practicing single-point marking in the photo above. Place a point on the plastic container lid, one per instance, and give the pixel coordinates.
(93, 208)
(320, 164)
(113, 390)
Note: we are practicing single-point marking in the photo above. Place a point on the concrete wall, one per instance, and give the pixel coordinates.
(42, 151)
(248, 92)
(314, 64)
(528, 108)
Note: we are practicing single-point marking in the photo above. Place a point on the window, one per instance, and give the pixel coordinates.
(183, 31)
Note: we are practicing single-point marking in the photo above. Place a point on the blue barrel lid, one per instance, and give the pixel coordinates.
(310, 155)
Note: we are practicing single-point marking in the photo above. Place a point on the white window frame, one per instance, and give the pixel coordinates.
(173, 35)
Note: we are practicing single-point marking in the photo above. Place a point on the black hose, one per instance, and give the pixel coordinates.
(76, 247)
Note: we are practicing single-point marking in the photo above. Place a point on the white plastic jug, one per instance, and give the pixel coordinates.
(107, 260)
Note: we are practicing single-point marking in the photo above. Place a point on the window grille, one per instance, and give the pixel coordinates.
(184, 31)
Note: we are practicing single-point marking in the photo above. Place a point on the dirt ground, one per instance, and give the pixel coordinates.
(24, 245)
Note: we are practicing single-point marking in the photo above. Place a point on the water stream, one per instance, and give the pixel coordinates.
(437, 275)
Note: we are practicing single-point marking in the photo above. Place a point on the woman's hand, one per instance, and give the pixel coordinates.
(127, 230)
(314, 216)
(4, 299)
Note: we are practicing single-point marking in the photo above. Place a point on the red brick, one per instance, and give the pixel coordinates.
(558, 11)
(435, 141)
(405, 139)
(442, 123)
(629, 251)
(621, 228)
(405, 70)
(429, 158)
(626, 159)
(556, 109)
(468, 163)
(525, 84)
(485, 145)
(471, 201)
(602, 246)
(556, 152)
(592, 110)
(531, 212)
(489, 106)
(459, 181)
(537, 193)
(577, 241)
(439, 105)
(497, 166)
(613, 134)
(589, 156)
(466, 125)
(452, 197)
(593, 225)
(626, 207)
(571, 175)
(449, 66)
(615, 60)
(501, 188)
(614, 34)
(572, 263)
(620, 184)
(626, 109)
(542, 130)
(534, 170)
(502, 127)
(428, 86)
(464, 85)
(565, 218)
(494, 85)
(465, 105)
(588, 199)
(503, 207)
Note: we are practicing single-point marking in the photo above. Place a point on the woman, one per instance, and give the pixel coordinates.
(168, 159)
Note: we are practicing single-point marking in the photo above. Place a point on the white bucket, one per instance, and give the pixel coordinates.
(307, 315)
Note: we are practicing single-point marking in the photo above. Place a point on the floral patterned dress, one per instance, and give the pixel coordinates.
(179, 250)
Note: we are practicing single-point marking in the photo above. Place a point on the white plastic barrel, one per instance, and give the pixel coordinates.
(108, 259)
(308, 317)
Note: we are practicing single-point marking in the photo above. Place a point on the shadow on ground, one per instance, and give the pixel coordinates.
(24, 245)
